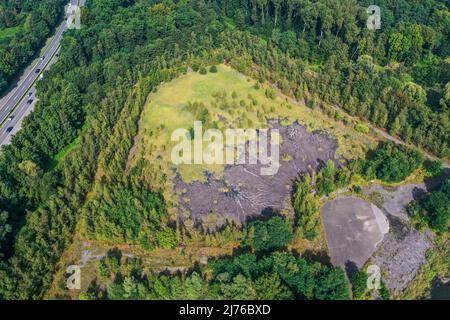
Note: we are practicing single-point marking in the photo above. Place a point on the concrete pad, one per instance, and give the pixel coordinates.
(354, 228)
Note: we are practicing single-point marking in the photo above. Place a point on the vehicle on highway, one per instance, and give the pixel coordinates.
(9, 129)
(10, 118)
(30, 93)
(37, 71)
(30, 101)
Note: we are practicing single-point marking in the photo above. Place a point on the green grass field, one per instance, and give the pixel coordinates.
(7, 34)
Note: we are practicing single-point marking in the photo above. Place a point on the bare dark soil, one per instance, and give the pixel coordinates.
(403, 251)
(244, 193)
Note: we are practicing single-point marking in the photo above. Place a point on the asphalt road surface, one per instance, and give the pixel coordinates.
(20, 101)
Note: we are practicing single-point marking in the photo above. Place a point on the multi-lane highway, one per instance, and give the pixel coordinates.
(20, 101)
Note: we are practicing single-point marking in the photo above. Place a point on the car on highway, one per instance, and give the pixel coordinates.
(9, 129)
(30, 101)
(10, 118)
(37, 70)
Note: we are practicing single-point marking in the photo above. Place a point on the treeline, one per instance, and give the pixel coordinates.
(308, 191)
(410, 33)
(122, 210)
(397, 77)
(263, 270)
(35, 20)
(84, 95)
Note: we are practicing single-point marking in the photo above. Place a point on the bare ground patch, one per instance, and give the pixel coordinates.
(404, 250)
(401, 256)
(395, 200)
(354, 228)
(243, 192)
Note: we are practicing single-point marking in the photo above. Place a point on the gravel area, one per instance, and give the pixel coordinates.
(400, 257)
(395, 200)
(403, 251)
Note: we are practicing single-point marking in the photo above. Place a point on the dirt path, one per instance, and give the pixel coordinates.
(396, 140)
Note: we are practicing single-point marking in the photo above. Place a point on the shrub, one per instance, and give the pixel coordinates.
(384, 292)
(393, 163)
(361, 128)
(270, 234)
(434, 167)
(433, 210)
(359, 284)
(270, 93)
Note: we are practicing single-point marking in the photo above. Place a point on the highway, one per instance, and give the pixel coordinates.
(20, 101)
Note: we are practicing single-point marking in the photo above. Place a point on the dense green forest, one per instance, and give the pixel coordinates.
(392, 163)
(262, 270)
(24, 27)
(433, 210)
(78, 138)
(396, 77)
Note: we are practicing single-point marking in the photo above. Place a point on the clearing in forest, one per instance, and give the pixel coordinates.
(212, 194)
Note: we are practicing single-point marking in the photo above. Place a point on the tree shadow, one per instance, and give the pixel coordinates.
(350, 268)
(317, 256)
(266, 214)
(418, 193)
(115, 253)
(435, 182)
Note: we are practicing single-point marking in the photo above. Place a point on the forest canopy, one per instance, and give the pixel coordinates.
(68, 161)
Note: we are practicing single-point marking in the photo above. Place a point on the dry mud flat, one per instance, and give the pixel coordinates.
(354, 228)
(401, 256)
(353, 237)
(403, 251)
(243, 192)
